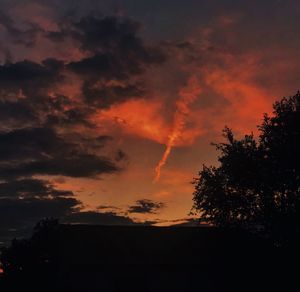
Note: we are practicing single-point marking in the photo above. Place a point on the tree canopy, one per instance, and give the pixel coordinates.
(256, 185)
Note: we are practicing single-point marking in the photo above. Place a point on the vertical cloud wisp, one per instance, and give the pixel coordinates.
(187, 95)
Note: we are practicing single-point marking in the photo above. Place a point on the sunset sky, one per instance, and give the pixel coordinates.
(108, 108)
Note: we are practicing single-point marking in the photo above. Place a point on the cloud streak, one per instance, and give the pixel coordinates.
(187, 96)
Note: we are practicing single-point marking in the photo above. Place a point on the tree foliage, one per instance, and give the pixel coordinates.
(257, 182)
(34, 255)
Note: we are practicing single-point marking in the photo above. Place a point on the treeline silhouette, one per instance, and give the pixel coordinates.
(252, 199)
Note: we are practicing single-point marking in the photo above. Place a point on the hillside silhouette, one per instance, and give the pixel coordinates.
(140, 258)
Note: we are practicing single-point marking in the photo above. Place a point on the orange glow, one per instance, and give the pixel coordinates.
(137, 117)
(248, 101)
(187, 96)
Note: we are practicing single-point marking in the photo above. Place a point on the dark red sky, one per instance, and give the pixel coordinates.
(95, 95)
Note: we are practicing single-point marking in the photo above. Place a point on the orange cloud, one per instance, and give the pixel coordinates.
(247, 101)
(139, 117)
(146, 118)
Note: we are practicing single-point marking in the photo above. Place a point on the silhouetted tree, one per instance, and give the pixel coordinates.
(32, 261)
(257, 183)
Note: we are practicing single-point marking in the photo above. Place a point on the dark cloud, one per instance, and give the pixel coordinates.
(25, 202)
(18, 216)
(108, 207)
(109, 33)
(30, 77)
(146, 206)
(46, 128)
(118, 36)
(110, 65)
(30, 96)
(41, 151)
(31, 209)
(27, 188)
(116, 53)
(105, 95)
(110, 71)
(82, 165)
(99, 66)
(55, 111)
(31, 144)
(186, 222)
(92, 217)
(16, 114)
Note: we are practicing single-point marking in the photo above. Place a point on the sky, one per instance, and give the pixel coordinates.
(108, 108)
